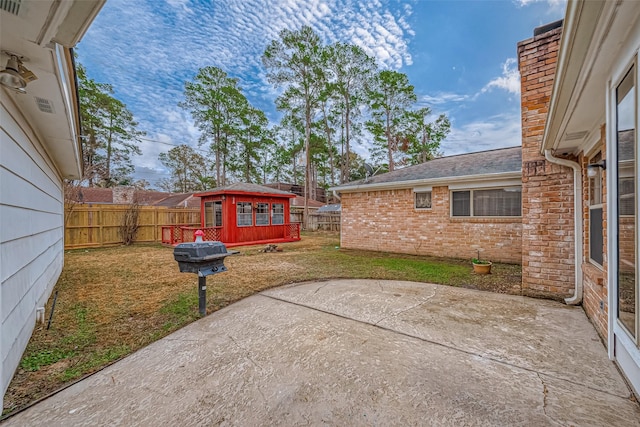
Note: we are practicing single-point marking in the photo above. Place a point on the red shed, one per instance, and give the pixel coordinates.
(241, 214)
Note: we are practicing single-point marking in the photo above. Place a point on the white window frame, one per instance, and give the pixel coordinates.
(250, 214)
(471, 191)
(617, 330)
(415, 199)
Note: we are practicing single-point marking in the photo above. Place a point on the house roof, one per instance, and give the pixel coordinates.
(186, 200)
(335, 207)
(244, 187)
(144, 197)
(147, 198)
(298, 201)
(491, 164)
(94, 195)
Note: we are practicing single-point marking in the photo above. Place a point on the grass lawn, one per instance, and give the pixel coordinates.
(113, 301)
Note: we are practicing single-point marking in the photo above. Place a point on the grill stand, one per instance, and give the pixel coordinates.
(202, 294)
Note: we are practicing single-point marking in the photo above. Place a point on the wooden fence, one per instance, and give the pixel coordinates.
(93, 225)
(325, 221)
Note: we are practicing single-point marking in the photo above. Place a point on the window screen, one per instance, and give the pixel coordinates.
(490, 202)
(262, 214)
(277, 213)
(497, 202)
(461, 203)
(596, 244)
(244, 214)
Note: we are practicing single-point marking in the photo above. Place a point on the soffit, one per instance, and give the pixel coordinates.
(49, 105)
(591, 41)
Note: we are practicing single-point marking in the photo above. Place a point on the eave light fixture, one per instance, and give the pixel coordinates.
(592, 168)
(15, 75)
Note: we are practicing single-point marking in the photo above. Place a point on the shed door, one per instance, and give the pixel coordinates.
(217, 211)
(213, 214)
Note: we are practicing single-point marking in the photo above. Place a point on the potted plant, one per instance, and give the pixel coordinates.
(481, 266)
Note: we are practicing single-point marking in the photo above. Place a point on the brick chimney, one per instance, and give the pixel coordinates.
(547, 188)
(123, 195)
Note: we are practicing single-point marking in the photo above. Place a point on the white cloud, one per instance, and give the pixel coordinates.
(180, 5)
(443, 98)
(555, 6)
(495, 132)
(509, 80)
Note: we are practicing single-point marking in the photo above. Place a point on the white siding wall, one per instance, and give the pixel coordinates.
(31, 232)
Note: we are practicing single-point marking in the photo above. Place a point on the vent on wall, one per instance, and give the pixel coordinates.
(571, 136)
(11, 6)
(44, 105)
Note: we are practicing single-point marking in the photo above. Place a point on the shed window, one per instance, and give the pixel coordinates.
(490, 202)
(245, 217)
(213, 212)
(262, 214)
(277, 213)
(423, 200)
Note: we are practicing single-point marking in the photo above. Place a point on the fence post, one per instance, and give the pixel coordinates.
(100, 225)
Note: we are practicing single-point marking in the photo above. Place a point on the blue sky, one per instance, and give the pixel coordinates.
(459, 55)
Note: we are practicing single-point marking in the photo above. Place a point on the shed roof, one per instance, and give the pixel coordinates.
(501, 161)
(244, 187)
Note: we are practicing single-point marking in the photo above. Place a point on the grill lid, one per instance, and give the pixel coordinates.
(200, 251)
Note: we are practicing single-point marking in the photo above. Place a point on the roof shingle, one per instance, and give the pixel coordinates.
(501, 160)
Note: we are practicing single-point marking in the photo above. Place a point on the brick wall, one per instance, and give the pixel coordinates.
(594, 278)
(547, 189)
(387, 221)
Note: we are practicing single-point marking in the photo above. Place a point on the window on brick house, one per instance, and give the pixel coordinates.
(596, 242)
(487, 203)
(423, 200)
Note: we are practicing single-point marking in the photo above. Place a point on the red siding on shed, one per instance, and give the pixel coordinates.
(231, 231)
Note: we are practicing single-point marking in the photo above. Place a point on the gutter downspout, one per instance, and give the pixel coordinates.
(577, 223)
(335, 194)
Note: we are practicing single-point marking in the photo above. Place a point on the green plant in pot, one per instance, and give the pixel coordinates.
(481, 266)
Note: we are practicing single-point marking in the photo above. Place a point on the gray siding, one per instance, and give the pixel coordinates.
(31, 233)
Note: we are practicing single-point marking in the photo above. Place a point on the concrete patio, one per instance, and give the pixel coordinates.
(361, 352)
